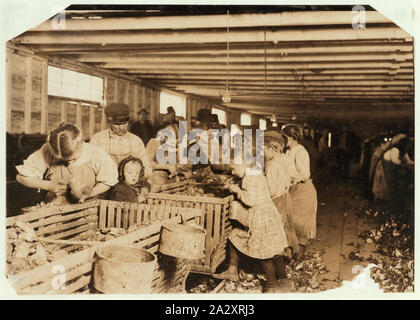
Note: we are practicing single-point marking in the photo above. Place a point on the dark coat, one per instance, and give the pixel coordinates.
(124, 193)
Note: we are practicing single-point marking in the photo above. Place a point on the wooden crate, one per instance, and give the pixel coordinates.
(214, 220)
(170, 273)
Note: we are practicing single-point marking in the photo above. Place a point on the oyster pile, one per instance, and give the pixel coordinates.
(23, 252)
(394, 256)
(304, 275)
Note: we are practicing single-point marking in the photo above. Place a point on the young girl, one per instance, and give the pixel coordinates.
(265, 237)
(279, 182)
(132, 186)
(303, 193)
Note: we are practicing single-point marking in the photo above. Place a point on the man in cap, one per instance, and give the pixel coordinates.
(142, 128)
(117, 141)
(169, 117)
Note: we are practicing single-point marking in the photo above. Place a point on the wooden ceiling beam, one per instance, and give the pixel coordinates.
(211, 36)
(279, 83)
(216, 90)
(305, 18)
(276, 67)
(221, 51)
(293, 46)
(355, 56)
(277, 78)
(254, 72)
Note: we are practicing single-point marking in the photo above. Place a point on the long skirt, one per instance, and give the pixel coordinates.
(265, 237)
(304, 208)
(284, 207)
(384, 180)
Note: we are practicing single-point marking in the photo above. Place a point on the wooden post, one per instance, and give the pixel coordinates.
(115, 90)
(143, 98)
(91, 120)
(79, 114)
(63, 115)
(28, 96)
(127, 92)
(188, 111)
(135, 100)
(44, 97)
(103, 117)
(8, 91)
(157, 104)
(103, 120)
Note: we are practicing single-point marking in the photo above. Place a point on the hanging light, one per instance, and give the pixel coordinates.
(273, 118)
(226, 98)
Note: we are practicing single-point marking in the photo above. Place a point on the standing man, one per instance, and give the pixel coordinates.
(117, 141)
(143, 127)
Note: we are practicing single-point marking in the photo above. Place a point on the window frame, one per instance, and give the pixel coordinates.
(175, 107)
(76, 99)
(225, 113)
(250, 119)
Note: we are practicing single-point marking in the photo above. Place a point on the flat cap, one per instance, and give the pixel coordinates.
(118, 112)
(274, 135)
(204, 115)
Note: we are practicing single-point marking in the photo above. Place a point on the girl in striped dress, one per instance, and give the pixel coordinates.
(265, 237)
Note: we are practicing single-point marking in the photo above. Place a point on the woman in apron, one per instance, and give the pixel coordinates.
(69, 169)
(303, 193)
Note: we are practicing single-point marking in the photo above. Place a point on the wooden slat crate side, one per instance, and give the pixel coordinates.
(111, 215)
(180, 197)
(46, 272)
(33, 216)
(74, 231)
(55, 229)
(78, 265)
(43, 223)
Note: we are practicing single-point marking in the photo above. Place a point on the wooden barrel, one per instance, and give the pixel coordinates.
(182, 241)
(123, 269)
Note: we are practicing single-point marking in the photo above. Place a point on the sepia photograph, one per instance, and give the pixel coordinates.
(203, 150)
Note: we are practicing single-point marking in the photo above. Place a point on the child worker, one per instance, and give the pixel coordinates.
(265, 237)
(279, 182)
(132, 186)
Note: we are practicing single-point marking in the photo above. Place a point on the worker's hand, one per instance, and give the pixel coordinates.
(82, 199)
(234, 188)
(57, 187)
(141, 198)
(172, 169)
(144, 191)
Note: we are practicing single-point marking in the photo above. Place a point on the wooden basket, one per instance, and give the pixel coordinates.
(214, 219)
(76, 222)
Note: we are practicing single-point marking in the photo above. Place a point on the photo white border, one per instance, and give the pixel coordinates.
(17, 16)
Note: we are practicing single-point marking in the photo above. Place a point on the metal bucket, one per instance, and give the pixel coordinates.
(238, 212)
(184, 241)
(123, 269)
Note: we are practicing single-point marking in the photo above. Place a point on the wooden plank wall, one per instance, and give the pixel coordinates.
(31, 110)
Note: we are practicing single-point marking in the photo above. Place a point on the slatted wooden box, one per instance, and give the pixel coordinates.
(215, 213)
(76, 223)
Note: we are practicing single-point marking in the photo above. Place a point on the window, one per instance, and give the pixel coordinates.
(76, 85)
(221, 114)
(245, 119)
(263, 124)
(177, 101)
